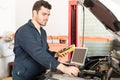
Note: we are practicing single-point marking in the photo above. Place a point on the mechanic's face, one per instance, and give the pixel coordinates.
(41, 17)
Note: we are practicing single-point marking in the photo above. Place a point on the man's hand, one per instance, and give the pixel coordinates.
(65, 51)
(71, 70)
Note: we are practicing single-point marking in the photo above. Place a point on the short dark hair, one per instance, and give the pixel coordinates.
(38, 4)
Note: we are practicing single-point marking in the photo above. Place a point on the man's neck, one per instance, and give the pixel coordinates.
(37, 26)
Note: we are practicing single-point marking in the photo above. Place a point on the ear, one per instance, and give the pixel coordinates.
(34, 13)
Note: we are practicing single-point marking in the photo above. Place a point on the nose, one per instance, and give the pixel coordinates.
(46, 17)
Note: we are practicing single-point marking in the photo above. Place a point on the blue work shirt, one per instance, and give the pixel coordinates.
(32, 54)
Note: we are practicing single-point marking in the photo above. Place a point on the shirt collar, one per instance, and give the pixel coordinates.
(32, 25)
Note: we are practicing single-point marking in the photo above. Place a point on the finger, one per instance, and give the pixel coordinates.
(76, 71)
(73, 74)
(59, 56)
(66, 53)
(63, 55)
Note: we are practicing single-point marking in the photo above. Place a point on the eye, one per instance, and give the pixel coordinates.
(45, 14)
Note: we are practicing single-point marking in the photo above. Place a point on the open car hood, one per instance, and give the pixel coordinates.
(107, 12)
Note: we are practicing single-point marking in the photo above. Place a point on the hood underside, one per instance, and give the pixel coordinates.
(106, 12)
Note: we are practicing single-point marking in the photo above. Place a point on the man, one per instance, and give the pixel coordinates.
(32, 55)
